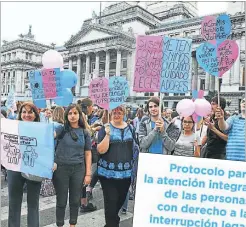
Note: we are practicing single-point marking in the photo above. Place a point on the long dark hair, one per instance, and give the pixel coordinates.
(81, 119)
(33, 107)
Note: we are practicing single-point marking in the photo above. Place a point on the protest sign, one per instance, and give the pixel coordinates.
(109, 94)
(190, 192)
(99, 92)
(45, 84)
(27, 147)
(148, 64)
(11, 103)
(176, 65)
(118, 91)
(216, 29)
(216, 60)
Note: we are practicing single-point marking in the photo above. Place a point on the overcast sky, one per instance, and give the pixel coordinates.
(57, 21)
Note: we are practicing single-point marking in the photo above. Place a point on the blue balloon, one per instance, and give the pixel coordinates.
(68, 78)
(67, 98)
(40, 103)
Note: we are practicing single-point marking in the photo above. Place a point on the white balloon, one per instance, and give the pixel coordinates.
(52, 59)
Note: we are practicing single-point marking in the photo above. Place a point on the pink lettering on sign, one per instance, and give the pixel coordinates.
(148, 64)
(49, 83)
(99, 92)
(227, 54)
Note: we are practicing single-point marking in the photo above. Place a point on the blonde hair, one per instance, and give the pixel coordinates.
(58, 115)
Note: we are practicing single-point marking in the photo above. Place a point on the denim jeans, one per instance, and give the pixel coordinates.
(15, 188)
(125, 205)
(68, 178)
(114, 193)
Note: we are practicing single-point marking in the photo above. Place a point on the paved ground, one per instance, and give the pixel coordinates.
(47, 211)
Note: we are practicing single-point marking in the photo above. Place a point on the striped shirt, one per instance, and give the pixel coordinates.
(235, 149)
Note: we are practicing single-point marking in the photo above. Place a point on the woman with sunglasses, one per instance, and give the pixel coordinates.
(188, 143)
(115, 144)
(73, 160)
(16, 180)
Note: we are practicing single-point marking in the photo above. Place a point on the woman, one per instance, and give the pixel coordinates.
(73, 160)
(28, 112)
(47, 187)
(188, 143)
(115, 144)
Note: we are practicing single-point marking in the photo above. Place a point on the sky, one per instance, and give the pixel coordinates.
(55, 22)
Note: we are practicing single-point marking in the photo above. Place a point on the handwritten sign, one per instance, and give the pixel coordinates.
(118, 91)
(45, 84)
(27, 147)
(99, 92)
(217, 60)
(148, 64)
(176, 65)
(191, 192)
(216, 30)
(10, 103)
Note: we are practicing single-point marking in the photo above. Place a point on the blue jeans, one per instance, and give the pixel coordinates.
(15, 187)
(125, 205)
(68, 178)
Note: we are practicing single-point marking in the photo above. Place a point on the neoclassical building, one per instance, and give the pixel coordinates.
(17, 58)
(105, 46)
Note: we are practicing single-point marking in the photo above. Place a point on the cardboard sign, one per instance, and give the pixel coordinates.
(189, 192)
(176, 65)
(99, 92)
(217, 60)
(216, 30)
(118, 91)
(27, 147)
(46, 84)
(109, 94)
(148, 64)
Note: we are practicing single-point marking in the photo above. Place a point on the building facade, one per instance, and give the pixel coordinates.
(106, 44)
(17, 58)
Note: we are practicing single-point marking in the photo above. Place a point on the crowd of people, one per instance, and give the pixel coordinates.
(94, 145)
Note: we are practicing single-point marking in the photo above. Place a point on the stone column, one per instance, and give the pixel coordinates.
(194, 80)
(77, 89)
(129, 66)
(118, 62)
(87, 69)
(207, 82)
(107, 62)
(18, 81)
(97, 66)
(236, 68)
(70, 63)
(212, 83)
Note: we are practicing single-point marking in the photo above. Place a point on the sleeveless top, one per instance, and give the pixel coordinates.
(117, 162)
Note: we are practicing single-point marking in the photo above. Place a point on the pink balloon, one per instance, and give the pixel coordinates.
(185, 107)
(202, 107)
(52, 59)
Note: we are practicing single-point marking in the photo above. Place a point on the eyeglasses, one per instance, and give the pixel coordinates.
(187, 122)
(117, 113)
(155, 106)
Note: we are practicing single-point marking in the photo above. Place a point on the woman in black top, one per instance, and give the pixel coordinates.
(73, 160)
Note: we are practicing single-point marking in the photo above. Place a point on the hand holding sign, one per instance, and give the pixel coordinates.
(217, 61)
(216, 30)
